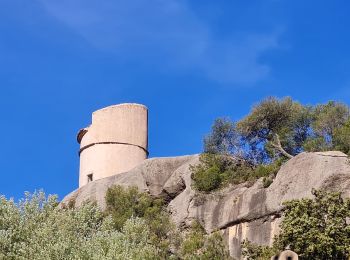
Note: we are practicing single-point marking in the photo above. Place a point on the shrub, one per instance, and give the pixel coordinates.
(216, 171)
(125, 203)
(215, 248)
(255, 252)
(35, 228)
(313, 228)
(317, 228)
(267, 182)
(198, 245)
(193, 242)
(206, 179)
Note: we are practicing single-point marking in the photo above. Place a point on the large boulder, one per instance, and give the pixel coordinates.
(161, 177)
(239, 211)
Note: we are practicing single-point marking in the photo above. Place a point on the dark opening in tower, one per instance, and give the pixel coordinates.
(90, 177)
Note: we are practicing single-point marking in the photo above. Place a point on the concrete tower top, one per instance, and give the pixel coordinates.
(120, 105)
(125, 123)
(116, 141)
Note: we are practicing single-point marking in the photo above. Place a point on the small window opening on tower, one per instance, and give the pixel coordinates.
(90, 177)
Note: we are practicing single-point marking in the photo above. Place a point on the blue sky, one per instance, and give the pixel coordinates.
(189, 61)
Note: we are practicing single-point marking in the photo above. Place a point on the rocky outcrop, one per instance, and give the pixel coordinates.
(161, 177)
(240, 212)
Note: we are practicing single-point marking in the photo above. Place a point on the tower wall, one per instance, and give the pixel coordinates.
(116, 141)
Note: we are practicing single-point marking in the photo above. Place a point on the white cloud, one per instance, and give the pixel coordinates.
(166, 31)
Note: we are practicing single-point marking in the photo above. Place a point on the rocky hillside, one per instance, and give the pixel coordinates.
(240, 212)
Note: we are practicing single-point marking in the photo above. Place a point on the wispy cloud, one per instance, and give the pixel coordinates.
(168, 32)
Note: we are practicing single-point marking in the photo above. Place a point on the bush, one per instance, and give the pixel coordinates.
(317, 228)
(255, 252)
(125, 203)
(193, 242)
(206, 178)
(216, 171)
(313, 228)
(35, 228)
(199, 245)
(215, 248)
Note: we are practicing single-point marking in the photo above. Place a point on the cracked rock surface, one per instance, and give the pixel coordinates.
(240, 212)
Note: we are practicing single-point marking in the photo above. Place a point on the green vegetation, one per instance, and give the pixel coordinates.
(216, 171)
(197, 245)
(256, 252)
(313, 228)
(134, 226)
(341, 138)
(137, 226)
(36, 228)
(274, 131)
(125, 203)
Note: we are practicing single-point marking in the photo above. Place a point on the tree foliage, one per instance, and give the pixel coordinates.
(125, 203)
(275, 130)
(317, 228)
(216, 171)
(35, 228)
(281, 128)
(256, 252)
(197, 245)
(313, 228)
(224, 138)
(341, 139)
(328, 127)
(279, 125)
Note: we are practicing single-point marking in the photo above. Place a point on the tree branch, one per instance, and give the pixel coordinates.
(279, 147)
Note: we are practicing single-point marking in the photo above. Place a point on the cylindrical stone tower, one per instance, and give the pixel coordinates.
(115, 142)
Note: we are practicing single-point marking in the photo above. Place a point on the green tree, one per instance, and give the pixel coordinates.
(223, 139)
(36, 228)
(341, 138)
(317, 228)
(275, 130)
(313, 228)
(280, 126)
(328, 117)
(327, 128)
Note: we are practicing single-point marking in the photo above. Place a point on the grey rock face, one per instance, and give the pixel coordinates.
(161, 177)
(240, 212)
